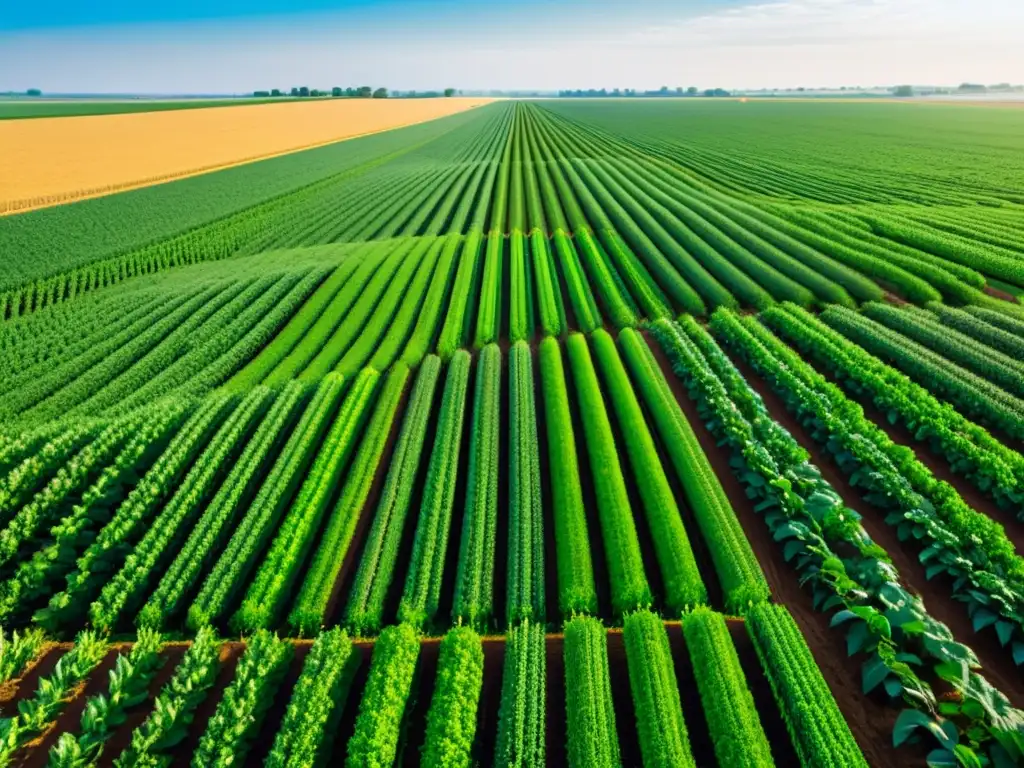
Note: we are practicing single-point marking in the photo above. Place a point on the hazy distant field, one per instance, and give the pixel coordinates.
(50, 161)
(22, 109)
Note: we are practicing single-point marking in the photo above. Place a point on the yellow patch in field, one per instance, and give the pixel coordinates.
(47, 161)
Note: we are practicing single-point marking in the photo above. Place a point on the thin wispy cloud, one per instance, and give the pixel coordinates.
(550, 45)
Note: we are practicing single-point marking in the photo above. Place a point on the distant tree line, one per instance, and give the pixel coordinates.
(663, 92)
(362, 92)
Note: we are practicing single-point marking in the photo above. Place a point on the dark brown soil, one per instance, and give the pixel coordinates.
(350, 562)
(870, 721)
(892, 298)
(555, 704)
(693, 710)
(771, 717)
(997, 664)
(939, 467)
(622, 699)
(490, 701)
(34, 755)
(991, 291)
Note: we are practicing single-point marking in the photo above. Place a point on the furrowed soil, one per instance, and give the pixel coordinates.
(48, 161)
(870, 720)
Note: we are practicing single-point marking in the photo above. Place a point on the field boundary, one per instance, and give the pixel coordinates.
(25, 205)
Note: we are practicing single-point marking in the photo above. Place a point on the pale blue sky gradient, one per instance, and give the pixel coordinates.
(235, 46)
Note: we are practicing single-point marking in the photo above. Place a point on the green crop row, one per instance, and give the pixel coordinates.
(379, 559)
(987, 572)
(474, 581)
(990, 465)
(294, 537)
(249, 540)
(969, 392)
(422, 591)
(525, 594)
(900, 648)
(521, 718)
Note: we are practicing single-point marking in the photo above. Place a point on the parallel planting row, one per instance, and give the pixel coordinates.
(473, 442)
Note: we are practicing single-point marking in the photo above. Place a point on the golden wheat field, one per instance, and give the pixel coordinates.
(54, 160)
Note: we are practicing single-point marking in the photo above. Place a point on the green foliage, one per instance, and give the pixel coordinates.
(488, 321)
(310, 608)
(175, 706)
(525, 596)
(116, 539)
(422, 591)
(885, 625)
(377, 735)
(452, 718)
(576, 590)
(967, 391)
(19, 651)
(816, 726)
(249, 540)
(728, 704)
(104, 713)
(664, 740)
(126, 589)
(234, 725)
(521, 719)
(591, 736)
(365, 611)
(37, 713)
(474, 582)
(629, 586)
(318, 700)
(738, 571)
(682, 582)
(991, 466)
(281, 566)
(219, 518)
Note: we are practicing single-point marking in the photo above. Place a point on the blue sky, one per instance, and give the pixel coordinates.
(234, 46)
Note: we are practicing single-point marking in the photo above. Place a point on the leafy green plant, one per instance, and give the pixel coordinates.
(422, 591)
(311, 604)
(629, 586)
(576, 589)
(474, 581)
(316, 704)
(365, 611)
(452, 718)
(375, 741)
(662, 732)
(19, 651)
(590, 713)
(525, 597)
(38, 713)
(104, 713)
(521, 717)
(728, 704)
(175, 706)
(239, 715)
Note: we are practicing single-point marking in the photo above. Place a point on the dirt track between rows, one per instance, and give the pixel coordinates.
(48, 161)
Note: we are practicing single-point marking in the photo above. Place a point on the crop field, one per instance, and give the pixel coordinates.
(36, 107)
(581, 432)
(47, 161)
